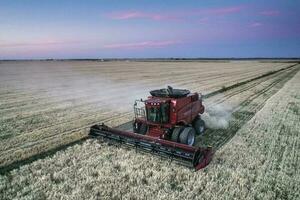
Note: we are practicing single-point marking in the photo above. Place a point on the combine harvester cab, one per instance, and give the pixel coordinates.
(165, 124)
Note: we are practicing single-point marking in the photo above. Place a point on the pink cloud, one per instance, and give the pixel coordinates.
(270, 12)
(141, 15)
(145, 44)
(37, 43)
(175, 15)
(222, 10)
(256, 24)
(127, 15)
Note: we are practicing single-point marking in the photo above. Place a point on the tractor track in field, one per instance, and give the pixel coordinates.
(247, 85)
(247, 109)
(241, 116)
(268, 74)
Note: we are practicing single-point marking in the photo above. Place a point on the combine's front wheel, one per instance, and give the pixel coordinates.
(175, 134)
(187, 136)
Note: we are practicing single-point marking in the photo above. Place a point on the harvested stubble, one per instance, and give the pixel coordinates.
(260, 162)
(46, 104)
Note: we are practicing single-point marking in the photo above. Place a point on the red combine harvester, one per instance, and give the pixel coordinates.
(165, 124)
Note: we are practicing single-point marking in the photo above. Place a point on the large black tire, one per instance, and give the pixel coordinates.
(175, 134)
(187, 136)
(143, 129)
(199, 126)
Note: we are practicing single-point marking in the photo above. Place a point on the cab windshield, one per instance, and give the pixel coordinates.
(158, 114)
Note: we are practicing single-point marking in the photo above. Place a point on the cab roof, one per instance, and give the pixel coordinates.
(170, 93)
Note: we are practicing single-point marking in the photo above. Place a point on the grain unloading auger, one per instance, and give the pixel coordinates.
(165, 124)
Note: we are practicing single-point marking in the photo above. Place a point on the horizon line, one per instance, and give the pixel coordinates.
(153, 58)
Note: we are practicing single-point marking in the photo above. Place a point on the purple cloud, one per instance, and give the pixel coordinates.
(144, 44)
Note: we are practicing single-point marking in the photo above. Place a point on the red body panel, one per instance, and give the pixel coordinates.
(186, 109)
(182, 111)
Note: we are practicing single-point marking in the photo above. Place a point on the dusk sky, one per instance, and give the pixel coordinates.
(148, 28)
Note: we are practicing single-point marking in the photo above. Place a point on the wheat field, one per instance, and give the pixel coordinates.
(45, 105)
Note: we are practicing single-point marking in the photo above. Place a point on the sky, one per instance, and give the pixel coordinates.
(35, 29)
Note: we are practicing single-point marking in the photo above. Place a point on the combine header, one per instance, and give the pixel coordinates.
(165, 124)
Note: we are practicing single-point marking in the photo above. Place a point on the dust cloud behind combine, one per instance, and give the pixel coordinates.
(217, 116)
